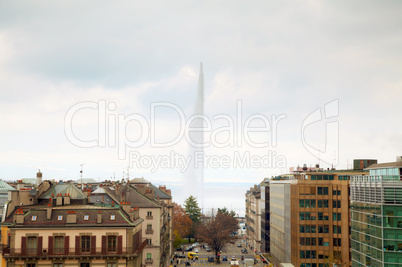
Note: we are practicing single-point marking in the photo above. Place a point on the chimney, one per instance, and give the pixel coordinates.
(134, 213)
(67, 199)
(19, 216)
(123, 196)
(125, 206)
(38, 178)
(49, 211)
(150, 193)
(99, 218)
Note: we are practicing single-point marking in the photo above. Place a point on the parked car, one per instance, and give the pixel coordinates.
(210, 259)
(192, 255)
(239, 245)
(179, 256)
(179, 249)
(189, 248)
(224, 258)
(196, 244)
(196, 250)
(208, 249)
(244, 250)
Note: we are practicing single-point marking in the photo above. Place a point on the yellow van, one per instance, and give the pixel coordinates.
(192, 255)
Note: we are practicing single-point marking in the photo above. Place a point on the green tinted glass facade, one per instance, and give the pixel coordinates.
(376, 220)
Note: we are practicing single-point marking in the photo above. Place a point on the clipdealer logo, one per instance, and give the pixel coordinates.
(198, 131)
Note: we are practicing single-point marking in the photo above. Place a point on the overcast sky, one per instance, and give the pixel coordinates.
(275, 59)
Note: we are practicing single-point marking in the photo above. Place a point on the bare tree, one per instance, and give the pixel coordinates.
(218, 230)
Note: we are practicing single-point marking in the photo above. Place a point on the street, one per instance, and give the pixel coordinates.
(229, 250)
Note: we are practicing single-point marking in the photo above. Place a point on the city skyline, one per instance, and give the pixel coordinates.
(113, 85)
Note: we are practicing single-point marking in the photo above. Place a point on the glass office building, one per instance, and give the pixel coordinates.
(376, 216)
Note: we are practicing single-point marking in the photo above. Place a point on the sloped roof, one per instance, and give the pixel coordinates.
(120, 219)
(139, 181)
(4, 187)
(397, 164)
(71, 189)
(86, 181)
(99, 190)
(134, 197)
(159, 193)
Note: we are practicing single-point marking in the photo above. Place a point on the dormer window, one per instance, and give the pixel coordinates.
(86, 217)
(60, 217)
(112, 217)
(34, 218)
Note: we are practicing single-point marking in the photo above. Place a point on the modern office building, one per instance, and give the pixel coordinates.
(376, 216)
(280, 219)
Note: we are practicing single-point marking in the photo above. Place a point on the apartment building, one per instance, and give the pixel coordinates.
(155, 208)
(376, 215)
(253, 218)
(58, 228)
(265, 216)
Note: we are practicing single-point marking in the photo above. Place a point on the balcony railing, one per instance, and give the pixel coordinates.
(72, 252)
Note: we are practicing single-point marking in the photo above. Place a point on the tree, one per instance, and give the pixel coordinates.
(226, 211)
(192, 209)
(182, 223)
(194, 212)
(218, 230)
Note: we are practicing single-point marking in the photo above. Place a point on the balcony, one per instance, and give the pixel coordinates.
(149, 231)
(149, 261)
(99, 252)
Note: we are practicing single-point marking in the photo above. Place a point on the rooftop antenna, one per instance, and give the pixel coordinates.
(128, 173)
(82, 183)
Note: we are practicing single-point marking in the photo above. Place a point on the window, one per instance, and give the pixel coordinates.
(84, 264)
(57, 264)
(85, 243)
(31, 264)
(320, 241)
(302, 230)
(86, 217)
(111, 264)
(149, 214)
(112, 243)
(313, 228)
(336, 204)
(34, 218)
(149, 241)
(313, 203)
(149, 226)
(325, 190)
(319, 191)
(59, 244)
(32, 245)
(149, 256)
(301, 203)
(302, 241)
(60, 217)
(112, 217)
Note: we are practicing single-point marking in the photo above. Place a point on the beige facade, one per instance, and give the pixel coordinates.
(253, 218)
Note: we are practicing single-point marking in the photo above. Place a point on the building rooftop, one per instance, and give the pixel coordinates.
(397, 164)
(4, 187)
(63, 189)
